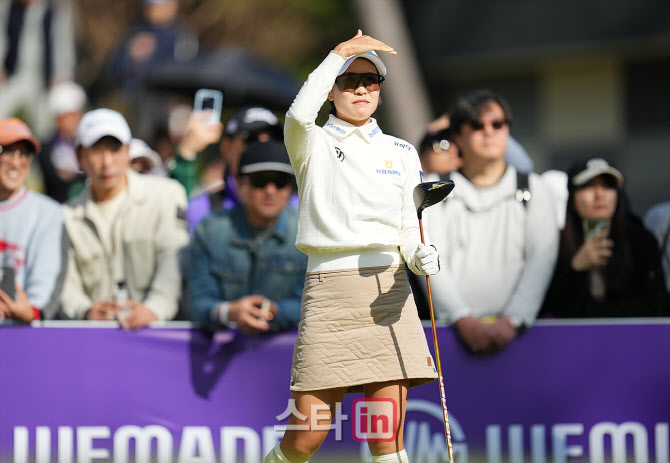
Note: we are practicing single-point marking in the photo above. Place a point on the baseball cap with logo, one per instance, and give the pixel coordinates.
(582, 173)
(100, 123)
(13, 130)
(253, 119)
(370, 56)
(261, 156)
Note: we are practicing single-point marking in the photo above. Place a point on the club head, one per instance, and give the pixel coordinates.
(429, 193)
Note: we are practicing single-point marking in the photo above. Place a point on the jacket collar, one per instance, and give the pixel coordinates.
(138, 192)
(242, 231)
(341, 129)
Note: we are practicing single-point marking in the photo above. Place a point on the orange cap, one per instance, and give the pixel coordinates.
(13, 130)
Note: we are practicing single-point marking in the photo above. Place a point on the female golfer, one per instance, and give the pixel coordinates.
(359, 328)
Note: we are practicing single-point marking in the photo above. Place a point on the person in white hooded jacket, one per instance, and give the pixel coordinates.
(359, 329)
(498, 238)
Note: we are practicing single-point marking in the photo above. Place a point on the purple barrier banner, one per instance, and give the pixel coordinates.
(562, 392)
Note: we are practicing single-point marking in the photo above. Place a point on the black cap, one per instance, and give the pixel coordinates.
(261, 156)
(253, 119)
(583, 172)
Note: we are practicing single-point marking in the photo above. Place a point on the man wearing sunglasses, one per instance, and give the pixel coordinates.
(32, 242)
(497, 237)
(245, 270)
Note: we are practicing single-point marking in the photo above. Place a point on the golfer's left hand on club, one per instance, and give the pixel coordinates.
(426, 259)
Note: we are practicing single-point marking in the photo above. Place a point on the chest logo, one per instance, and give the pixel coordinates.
(340, 154)
(388, 169)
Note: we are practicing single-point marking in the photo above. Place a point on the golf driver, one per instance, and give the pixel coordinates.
(426, 195)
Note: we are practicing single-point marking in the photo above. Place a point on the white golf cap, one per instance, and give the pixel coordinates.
(583, 173)
(66, 97)
(371, 56)
(100, 123)
(139, 149)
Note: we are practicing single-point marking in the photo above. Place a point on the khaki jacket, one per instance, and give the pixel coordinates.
(145, 243)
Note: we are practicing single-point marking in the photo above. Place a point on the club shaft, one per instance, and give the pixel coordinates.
(443, 396)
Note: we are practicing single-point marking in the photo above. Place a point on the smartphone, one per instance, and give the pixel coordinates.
(7, 281)
(592, 227)
(209, 100)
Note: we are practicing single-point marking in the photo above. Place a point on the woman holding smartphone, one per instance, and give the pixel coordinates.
(608, 265)
(359, 328)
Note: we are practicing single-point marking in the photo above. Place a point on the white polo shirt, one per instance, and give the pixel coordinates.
(355, 184)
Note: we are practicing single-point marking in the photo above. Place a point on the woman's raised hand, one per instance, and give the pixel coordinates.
(361, 44)
(593, 253)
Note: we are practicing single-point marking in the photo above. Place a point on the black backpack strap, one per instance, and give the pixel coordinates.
(522, 194)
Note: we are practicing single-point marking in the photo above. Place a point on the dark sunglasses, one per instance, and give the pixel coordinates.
(280, 180)
(250, 137)
(497, 124)
(370, 81)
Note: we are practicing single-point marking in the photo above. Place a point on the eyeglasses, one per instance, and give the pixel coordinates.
(496, 124)
(280, 179)
(23, 153)
(370, 81)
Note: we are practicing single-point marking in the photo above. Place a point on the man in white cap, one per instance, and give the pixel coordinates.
(144, 160)
(125, 230)
(62, 177)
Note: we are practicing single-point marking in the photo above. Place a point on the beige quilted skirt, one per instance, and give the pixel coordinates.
(359, 326)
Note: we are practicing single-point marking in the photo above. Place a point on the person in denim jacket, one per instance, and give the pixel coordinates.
(245, 270)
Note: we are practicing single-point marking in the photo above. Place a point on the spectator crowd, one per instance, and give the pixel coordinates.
(123, 231)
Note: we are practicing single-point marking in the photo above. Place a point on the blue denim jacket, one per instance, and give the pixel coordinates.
(228, 263)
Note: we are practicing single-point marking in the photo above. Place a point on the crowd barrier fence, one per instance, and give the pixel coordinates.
(564, 391)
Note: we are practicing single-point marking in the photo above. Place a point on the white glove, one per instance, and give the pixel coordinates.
(426, 260)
